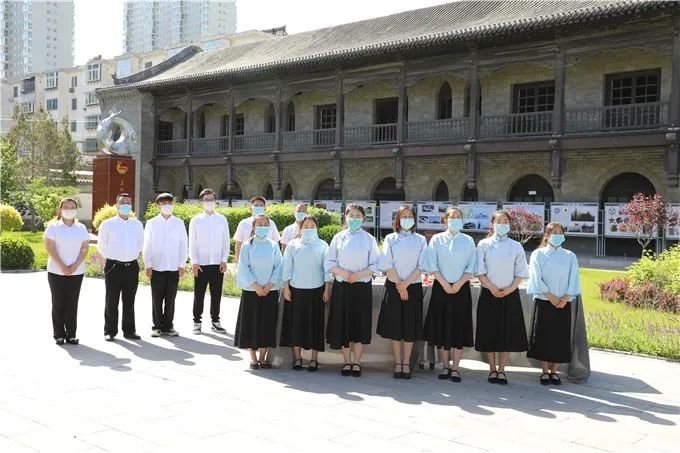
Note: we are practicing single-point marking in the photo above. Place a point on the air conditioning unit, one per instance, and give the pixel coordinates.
(71, 90)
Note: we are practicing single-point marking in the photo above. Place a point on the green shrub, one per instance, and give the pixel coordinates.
(234, 216)
(105, 212)
(183, 211)
(327, 232)
(10, 219)
(15, 253)
(662, 270)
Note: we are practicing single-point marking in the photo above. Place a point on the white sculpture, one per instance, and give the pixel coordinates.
(105, 131)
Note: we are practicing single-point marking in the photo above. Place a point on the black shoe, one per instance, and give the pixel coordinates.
(398, 374)
(73, 341)
(493, 377)
(60, 341)
(108, 337)
(455, 377)
(346, 369)
(297, 365)
(356, 370)
(545, 379)
(445, 374)
(132, 336)
(254, 365)
(406, 374)
(555, 379)
(503, 380)
(314, 367)
(265, 365)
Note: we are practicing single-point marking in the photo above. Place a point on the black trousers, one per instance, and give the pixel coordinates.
(121, 280)
(210, 275)
(163, 289)
(65, 293)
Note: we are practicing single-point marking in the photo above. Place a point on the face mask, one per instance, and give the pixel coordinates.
(501, 229)
(300, 216)
(209, 206)
(68, 214)
(166, 209)
(309, 234)
(556, 239)
(455, 224)
(125, 209)
(258, 210)
(354, 224)
(406, 223)
(261, 231)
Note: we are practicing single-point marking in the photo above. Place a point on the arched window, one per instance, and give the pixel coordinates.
(185, 193)
(326, 191)
(444, 102)
(466, 107)
(531, 188)
(287, 193)
(470, 194)
(386, 190)
(621, 188)
(270, 119)
(231, 195)
(441, 193)
(201, 125)
(269, 192)
(290, 117)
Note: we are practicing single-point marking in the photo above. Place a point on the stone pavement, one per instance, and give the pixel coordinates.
(193, 393)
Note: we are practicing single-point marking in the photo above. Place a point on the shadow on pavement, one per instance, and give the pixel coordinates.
(95, 358)
(149, 351)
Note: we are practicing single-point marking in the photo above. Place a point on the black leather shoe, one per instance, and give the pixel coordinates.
(132, 336)
(346, 369)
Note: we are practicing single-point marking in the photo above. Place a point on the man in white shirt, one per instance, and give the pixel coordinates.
(165, 258)
(245, 226)
(293, 229)
(120, 243)
(209, 252)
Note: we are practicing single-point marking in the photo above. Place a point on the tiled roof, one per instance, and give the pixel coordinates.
(441, 25)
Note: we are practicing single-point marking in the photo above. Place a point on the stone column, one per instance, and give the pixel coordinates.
(403, 105)
(560, 74)
(473, 117)
(189, 123)
(230, 126)
(339, 112)
(674, 107)
(278, 112)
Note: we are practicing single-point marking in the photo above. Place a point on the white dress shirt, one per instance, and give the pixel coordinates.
(245, 227)
(68, 241)
(120, 239)
(289, 233)
(165, 244)
(209, 239)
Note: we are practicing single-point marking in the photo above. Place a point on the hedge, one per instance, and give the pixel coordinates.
(327, 232)
(105, 212)
(10, 219)
(15, 253)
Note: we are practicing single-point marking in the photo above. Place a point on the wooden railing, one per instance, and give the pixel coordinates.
(437, 131)
(254, 142)
(315, 138)
(534, 123)
(171, 147)
(211, 145)
(375, 134)
(617, 117)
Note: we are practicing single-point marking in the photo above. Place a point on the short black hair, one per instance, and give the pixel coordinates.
(258, 197)
(123, 195)
(205, 192)
(165, 196)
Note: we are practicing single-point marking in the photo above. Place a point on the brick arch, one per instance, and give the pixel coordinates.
(518, 174)
(607, 175)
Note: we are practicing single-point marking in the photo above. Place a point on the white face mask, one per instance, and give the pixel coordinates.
(209, 206)
(68, 214)
(166, 209)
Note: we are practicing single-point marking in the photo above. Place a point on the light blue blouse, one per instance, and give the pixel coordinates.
(303, 264)
(352, 252)
(404, 252)
(553, 270)
(452, 255)
(260, 261)
(501, 260)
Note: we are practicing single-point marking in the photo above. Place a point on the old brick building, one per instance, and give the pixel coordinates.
(517, 101)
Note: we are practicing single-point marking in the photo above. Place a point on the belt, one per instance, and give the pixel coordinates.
(122, 263)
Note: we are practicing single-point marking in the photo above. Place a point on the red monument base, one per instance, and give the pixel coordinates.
(111, 175)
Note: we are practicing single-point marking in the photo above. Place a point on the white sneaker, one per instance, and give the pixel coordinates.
(197, 328)
(217, 327)
(172, 333)
(156, 333)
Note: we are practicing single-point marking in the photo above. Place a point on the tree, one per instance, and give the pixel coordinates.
(647, 216)
(9, 181)
(44, 200)
(524, 224)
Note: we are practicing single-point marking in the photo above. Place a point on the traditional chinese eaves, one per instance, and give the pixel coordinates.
(440, 27)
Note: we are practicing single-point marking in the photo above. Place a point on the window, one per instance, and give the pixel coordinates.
(91, 121)
(534, 97)
(441, 193)
(91, 98)
(94, 72)
(445, 102)
(466, 107)
(326, 116)
(633, 87)
(91, 145)
(531, 188)
(164, 130)
(148, 64)
(270, 119)
(201, 125)
(386, 190)
(74, 104)
(16, 91)
(28, 85)
(74, 126)
(224, 125)
(74, 81)
(52, 104)
(290, 117)
(239, 125)
(28, 107)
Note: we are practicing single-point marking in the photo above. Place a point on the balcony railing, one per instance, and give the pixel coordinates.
(371, 135)
(617, 117)
(534, 123)
(315, 138)
(172, 147)
(211, 145)
(254, 142)
(438, 131)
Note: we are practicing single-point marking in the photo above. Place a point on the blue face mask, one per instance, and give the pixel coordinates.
(556, 239)
(354, 224)
(455, 224)
(309, 234)
(258, 210)
(300, 216)
(261, 231)
(406, 223)
(125, 209)
(501, 229)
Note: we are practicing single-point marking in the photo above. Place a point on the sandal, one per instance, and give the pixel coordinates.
(398, 374)
(406, 374)
(545, 379)
(254, 365)
(445, 374)
(555, 379)
(502, 380)
(314, 367)
(493, 377)
(456, 377)
(297, 364)
(356, 370)
(346, 369)
(73, 341)
(265, 365)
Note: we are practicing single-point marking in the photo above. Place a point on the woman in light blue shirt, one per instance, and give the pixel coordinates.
(306, 289)
(501, 267)
(554, 282)
(352, 259)
(259, 276)
(401, 312)
(452, 260)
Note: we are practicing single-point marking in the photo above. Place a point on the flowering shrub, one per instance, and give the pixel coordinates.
(647, 215)
(646, 295)
(524, 224)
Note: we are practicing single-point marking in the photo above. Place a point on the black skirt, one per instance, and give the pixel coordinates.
(449, 318)
(500, 323)
(398, 319)
(303, 319)
(350, 314)
(550, 339)
(256, 322)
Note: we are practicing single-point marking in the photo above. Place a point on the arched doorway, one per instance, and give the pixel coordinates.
(287, 193)
(269, 192)
(441, 193)
(185, 193)
(621, 188)
(326, 190)
(444, 102)
(531, 188)
(231, 195)
(470, 194)
(386, 190)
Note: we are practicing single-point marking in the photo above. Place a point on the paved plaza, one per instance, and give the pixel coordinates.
(194, 393)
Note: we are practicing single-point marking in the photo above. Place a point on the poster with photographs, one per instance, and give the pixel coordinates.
(430, 214)
(329, 205)
(477, 215)
(578, 219)
(388, 209)
(369, 207)
(673, 230)
(534, 208)
(616, 222)
(240, 203)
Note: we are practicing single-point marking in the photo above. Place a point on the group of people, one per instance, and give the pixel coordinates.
(311, 274)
